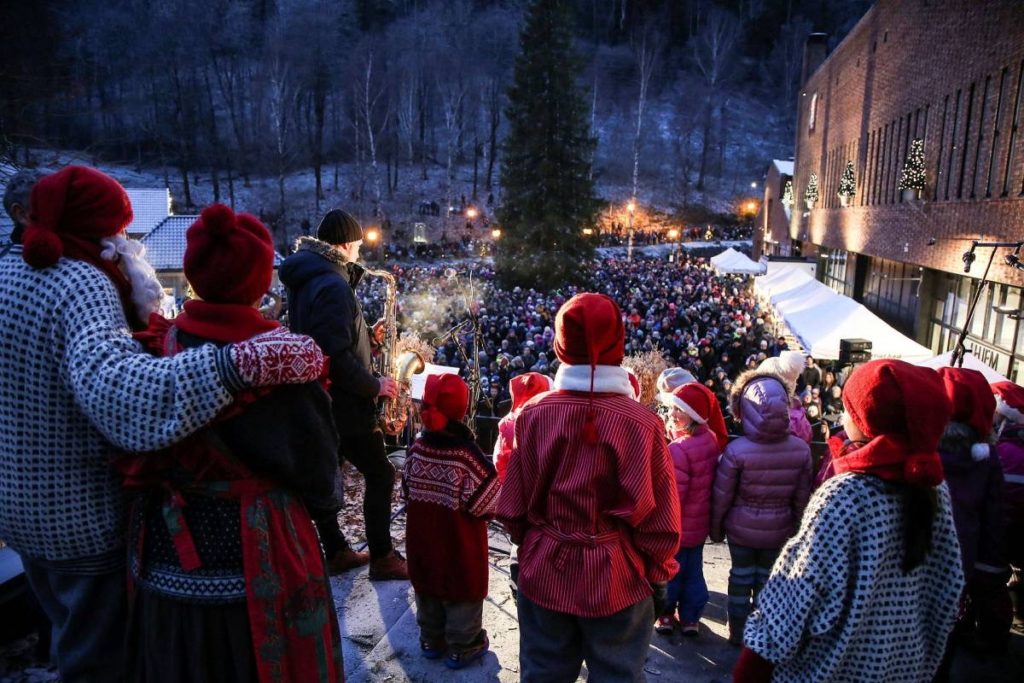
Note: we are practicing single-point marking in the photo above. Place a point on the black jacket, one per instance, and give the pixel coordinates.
(322, 303)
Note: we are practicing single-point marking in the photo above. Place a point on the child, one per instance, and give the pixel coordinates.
(867, 589)
(451, 487)
(697, 419)
(762, 484)
(522, 388)
(1009, 425)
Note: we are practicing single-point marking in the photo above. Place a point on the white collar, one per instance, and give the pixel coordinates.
(610, 379)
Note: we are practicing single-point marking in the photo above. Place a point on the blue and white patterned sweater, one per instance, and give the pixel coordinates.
(837, 606)
(75, 390)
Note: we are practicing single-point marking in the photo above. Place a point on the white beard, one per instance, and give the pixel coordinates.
(130, 256)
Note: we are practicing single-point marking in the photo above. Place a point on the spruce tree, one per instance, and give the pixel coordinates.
(811, 193)
(548, 195)
(847, 186)
(912, 176)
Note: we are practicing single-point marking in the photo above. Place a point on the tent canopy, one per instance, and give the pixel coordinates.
(732, 261)
(819, 317)
(944, 360)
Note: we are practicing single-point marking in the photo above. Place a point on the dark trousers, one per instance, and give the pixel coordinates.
(748, 574)
(88, 613)
(457, 623)
(554, 645)
(367, 454)
(688, 591)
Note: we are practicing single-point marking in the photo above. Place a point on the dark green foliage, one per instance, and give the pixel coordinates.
(548, 194)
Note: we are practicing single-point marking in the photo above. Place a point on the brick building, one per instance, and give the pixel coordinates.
(771, 226)
(951, 73)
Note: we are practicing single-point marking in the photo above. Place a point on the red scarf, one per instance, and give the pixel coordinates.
(225, 323)
(888, 457)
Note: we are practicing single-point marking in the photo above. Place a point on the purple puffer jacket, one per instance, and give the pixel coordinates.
(798, 424)
(694, 459)
(763, 480)
(976, 488)
(1011, 457)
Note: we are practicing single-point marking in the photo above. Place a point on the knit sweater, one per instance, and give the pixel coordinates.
(837, 606)
(74, 390)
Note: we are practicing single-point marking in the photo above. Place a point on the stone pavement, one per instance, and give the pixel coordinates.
(381, 640)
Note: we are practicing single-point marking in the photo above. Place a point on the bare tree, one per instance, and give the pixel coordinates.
(714, 54)
(645, 51)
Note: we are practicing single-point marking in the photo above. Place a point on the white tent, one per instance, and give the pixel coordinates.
(819, 317)
(732, 261)
(970, 362)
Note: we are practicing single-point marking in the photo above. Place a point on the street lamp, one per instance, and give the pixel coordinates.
(471, 213)
(372, 235)
(496, 234)
(630, 207)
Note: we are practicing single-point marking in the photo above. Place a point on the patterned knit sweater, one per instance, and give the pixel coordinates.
(74, 389)
(837, 606)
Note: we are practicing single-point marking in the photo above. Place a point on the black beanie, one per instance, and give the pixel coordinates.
(339, 227)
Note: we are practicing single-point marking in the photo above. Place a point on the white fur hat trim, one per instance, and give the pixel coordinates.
(1009, 412)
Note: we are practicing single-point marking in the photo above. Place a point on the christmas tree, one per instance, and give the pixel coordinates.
(811, 194)
(846, 185)
(548, 194)
(787, 194)
(912, 177)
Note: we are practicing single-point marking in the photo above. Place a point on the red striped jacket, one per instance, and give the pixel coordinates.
(596, 523)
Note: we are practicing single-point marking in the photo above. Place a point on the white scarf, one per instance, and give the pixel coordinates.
(610, 379)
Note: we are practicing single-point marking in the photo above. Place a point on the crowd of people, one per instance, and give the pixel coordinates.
(203, 456)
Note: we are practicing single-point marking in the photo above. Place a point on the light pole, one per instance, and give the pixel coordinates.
(675, 235)
(630, 207)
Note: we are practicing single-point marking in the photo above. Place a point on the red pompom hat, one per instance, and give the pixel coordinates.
(589, 331)
(903, 410)
(973, 404)
(700, 403)
(445, 399)
(71, 210)
(1009, 400)
(526, 386)
(229, 257)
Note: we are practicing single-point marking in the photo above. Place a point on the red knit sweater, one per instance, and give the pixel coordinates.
(451, 487)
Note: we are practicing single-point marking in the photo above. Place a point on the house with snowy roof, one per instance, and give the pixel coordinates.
(150, 207)
(165, 250)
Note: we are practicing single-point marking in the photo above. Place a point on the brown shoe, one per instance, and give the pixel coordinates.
(391, 567)
(346, 559)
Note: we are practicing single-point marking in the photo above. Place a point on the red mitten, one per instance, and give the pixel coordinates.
(277, 357)
(752, 668)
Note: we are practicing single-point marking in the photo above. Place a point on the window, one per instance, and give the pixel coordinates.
(813, 114)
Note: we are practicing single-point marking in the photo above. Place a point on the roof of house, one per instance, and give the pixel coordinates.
(165, 244)
(784, 167)
(150, 208)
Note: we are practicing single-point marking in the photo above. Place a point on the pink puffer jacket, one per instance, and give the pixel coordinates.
(763, 480)
(694, 460)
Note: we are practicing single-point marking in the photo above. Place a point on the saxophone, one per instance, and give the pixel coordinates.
(392, 414)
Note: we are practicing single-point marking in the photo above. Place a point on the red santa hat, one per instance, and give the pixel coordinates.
(445, 399)
(229, 257)
(71, 210)
(1009, 400)
(697, 401)
(589, 331)
(526, 386)
(903, 410)
(634, 383)
(973, 404)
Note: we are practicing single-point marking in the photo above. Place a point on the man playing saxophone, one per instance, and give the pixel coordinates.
(321, 277)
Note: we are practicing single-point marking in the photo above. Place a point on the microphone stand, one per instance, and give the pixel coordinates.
(957, 359)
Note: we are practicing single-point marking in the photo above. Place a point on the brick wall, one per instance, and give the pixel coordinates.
(950, 72)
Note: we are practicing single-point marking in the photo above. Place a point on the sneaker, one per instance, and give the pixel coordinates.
(432, 650)
(665, 624)
(391, 567)
(462, 658)
(690, 629)
(346, 559)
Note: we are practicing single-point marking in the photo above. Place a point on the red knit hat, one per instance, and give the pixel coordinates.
(903, 409)
(973, 404)
(71, 210)
(526, 386)
(1009, 400)
(697, 401)
(229, 257)
(445, 399)
(588, 331)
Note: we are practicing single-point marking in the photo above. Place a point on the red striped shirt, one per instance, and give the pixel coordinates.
(595, 523)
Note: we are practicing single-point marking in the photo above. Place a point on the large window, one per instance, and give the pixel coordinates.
(833, 270)
(994, 335)
(892, 291)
